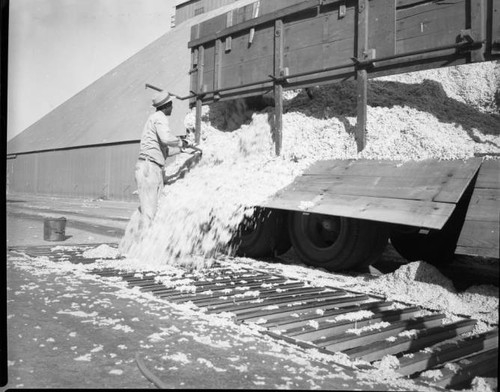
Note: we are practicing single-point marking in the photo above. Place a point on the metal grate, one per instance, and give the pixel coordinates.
(323, 318)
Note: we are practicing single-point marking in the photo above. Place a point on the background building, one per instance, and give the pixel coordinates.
(87, 147)
(187, 9)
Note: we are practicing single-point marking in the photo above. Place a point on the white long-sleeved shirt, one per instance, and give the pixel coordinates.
(156, 139)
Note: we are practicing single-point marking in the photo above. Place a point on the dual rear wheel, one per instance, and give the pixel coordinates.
(334, 243)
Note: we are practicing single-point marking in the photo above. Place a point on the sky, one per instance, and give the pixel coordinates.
(58, 47)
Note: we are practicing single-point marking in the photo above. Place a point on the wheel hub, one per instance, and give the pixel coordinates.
(323, 230)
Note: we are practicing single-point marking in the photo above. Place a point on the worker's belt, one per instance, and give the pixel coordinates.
(149, 160)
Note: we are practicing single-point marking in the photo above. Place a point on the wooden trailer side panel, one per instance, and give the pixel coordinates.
(480, 235)
(321, 40)
(429, 25)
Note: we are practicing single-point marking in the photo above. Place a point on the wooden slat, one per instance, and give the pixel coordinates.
(489, 174)
(253, 70)
(420, 194)
(479, 239)
(449, 351)
(408, 188)
(409, 3)
(261, 47)
(427, 168)
(424, 338)
(275, 5)
(484, 205)
(320, 56)
(305, 32)
(429, 25)
(386, 168)
(407, 212)
(382, 28)
(265, 18)
(481, 230)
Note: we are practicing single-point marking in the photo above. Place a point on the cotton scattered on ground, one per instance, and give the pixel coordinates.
(422, 284)
(102, 251)
(417, 283)
(481, 384)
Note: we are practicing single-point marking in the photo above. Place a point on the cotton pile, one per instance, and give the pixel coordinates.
(446, 114)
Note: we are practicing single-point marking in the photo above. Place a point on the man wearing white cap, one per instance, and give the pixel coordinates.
(157, 143)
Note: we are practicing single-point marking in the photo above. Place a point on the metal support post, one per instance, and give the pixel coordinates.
(362, 102)
(278, 87)
(217, 68)
(362, 75)
(478, 27)
(199, 88)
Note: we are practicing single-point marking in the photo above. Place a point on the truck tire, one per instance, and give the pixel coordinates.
(264, 235)
(377, 238)
(336, 243)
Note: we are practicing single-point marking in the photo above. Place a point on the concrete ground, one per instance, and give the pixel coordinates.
(67, 328)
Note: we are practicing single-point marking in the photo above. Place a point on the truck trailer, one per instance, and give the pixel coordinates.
(340, 214)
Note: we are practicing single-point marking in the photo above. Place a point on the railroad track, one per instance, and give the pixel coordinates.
(332, 320)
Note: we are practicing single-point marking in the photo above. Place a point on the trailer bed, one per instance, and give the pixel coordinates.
(421, 194)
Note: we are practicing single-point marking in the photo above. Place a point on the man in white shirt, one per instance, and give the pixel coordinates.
(157, 143)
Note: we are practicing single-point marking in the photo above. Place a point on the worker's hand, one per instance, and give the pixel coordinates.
(182, 145)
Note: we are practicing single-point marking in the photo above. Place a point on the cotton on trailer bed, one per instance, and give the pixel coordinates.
(340, 214)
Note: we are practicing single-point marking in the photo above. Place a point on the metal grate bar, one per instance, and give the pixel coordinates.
(483, 364)
(175, 294)
(346, 340)
(327, 329)
(420, 361)
(264, 294)
(229, 298)
(424, 338)
(295, 312)
(238, 309)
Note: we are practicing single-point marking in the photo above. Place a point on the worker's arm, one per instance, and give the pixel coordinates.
(165, 136)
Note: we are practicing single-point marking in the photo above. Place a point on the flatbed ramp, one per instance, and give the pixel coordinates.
(421, 194)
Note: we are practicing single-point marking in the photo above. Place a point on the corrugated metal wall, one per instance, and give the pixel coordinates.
(87, 172)
(192, 8)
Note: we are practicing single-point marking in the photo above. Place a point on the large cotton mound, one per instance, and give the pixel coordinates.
(438, 114)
